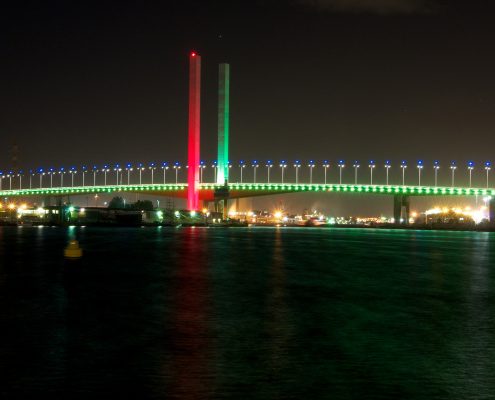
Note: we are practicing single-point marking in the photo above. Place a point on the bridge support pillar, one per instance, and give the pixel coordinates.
(491, 210)
(401, 209)
(221, 200)
(221, 207)
(60, 209)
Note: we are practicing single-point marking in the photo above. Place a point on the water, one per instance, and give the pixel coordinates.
(255, 313)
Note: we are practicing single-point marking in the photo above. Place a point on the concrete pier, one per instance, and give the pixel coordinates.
(491, 210)
(401, 208)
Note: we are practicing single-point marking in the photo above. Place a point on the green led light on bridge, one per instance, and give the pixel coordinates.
(260, 187)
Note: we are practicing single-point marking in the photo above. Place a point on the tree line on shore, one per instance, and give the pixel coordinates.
(118, 203)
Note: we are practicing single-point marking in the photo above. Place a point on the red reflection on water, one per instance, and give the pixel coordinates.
(190, 374)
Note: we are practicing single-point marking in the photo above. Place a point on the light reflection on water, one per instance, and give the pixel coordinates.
(247, 313)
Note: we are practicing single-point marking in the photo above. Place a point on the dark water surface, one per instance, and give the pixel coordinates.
(247, 313)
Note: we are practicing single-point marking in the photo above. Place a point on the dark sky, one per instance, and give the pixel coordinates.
(86, 82)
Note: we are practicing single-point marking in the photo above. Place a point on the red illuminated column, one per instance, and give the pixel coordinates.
(193, 145)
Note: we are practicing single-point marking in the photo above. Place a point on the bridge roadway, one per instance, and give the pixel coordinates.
(210, 192)
(239, 190)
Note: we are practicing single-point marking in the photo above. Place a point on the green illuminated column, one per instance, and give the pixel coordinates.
(223, 123)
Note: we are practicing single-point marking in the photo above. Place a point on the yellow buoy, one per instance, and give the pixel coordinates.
(73, 250)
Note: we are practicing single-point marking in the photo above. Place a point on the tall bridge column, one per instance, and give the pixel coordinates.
(223, 124)
(194, 119)
(401, 208)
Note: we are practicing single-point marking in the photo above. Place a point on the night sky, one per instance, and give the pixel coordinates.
(86, 83)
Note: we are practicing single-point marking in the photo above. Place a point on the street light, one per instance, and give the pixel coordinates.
(311, 165)
(283, 165)
(356, 166)
(470, 166)
(106, 169)
(341, 165)
(128, 168)
(372, 166)
(176, 167)
(387, 167)
(242, 165)
(31, 174)
(140, 168)
(436, 167)
(152, 168)
(72, 172)
(420, 166)
(41, 172)
(95, 170)
(255, 166)
(268, 166)
(19, 174)
(165, 167)
(117, 169)
(51, 172)
(488, 167)
(84, 170)
(297, 165)
(326, 165)
(202, 166)
(10, 179)
(453, 167)
(214, 165)
(10, 175)
(403, 165)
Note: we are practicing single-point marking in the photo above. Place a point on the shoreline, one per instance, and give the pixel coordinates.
(435, 227)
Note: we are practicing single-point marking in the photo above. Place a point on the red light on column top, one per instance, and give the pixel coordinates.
(193, 54)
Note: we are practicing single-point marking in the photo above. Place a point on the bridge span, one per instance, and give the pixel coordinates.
(210, 192)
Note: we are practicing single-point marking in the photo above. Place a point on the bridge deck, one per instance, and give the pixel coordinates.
(252, 189)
